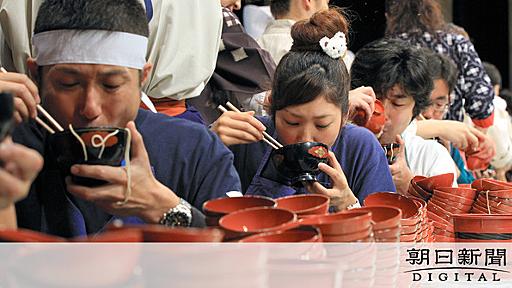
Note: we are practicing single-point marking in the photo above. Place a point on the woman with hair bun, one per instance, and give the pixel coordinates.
(309, 102)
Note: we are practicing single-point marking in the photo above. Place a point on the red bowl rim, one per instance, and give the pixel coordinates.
(305, 211)
(248, 210)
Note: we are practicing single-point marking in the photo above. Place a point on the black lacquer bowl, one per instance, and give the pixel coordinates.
(299, 162)
(99, 146)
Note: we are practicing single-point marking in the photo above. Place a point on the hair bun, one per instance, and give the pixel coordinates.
(306, 34)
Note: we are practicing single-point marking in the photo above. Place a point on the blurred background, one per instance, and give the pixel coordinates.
(488, 24)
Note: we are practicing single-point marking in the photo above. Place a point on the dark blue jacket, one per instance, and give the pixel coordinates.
(184, 156)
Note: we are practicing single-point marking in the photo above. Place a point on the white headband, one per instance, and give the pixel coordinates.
(90, 47)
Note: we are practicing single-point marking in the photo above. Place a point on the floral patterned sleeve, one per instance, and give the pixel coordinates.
(473, 83)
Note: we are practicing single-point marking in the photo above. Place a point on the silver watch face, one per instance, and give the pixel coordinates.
(179, 216)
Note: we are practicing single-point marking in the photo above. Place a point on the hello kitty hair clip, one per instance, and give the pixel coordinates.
(336, 46)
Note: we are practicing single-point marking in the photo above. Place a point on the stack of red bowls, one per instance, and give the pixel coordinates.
(423, 187)
(446, 202)
(159, 233)
(386, 222)
(25, 235)
(494, 197)
(411, 222)
(216, 208)
(427, 228)
(346, 226)
(306, 204)
(483, 228)
(485, 184)
(416, 191)
(300, 234)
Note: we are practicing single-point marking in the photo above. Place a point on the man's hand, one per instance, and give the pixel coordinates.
(149, 199)
(400, 172)
(361, 99)
(25, 92)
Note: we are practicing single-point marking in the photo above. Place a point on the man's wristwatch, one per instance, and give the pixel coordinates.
(179, 216)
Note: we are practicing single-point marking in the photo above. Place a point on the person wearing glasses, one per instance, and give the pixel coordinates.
(462, 136)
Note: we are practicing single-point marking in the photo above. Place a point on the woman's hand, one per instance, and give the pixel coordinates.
(340, 194)
(238, 128)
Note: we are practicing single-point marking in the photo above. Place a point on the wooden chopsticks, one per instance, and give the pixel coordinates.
(45, 114)
(266, 137)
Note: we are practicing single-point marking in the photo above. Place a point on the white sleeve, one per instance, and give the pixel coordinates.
(17, 22)
(183, 47)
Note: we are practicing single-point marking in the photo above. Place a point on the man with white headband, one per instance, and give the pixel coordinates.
(89, 66)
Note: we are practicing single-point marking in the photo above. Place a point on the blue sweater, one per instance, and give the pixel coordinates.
(184, 156)
(360, 155)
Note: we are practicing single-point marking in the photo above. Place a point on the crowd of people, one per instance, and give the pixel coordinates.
(161, 69)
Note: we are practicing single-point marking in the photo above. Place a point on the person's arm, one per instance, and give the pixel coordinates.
(462, 136)
(475, 88)
(191, 29)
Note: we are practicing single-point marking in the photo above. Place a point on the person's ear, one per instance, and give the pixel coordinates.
(145, 73)
(33, 69)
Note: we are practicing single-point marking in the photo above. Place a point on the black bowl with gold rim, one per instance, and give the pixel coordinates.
(299, 162)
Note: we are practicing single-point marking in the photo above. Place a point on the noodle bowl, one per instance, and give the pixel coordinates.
(92, 146)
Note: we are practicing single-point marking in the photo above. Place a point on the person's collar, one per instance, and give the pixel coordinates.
(410, 131)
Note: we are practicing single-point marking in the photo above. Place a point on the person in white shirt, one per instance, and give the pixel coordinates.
(501, 130)
(399, 75)
(277, 38)
(256, 18)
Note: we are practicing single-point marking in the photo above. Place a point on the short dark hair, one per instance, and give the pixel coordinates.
(441, 67)
(306, 72)
(385, 63)
(279, 8)
(493, 73)
(114, 15)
